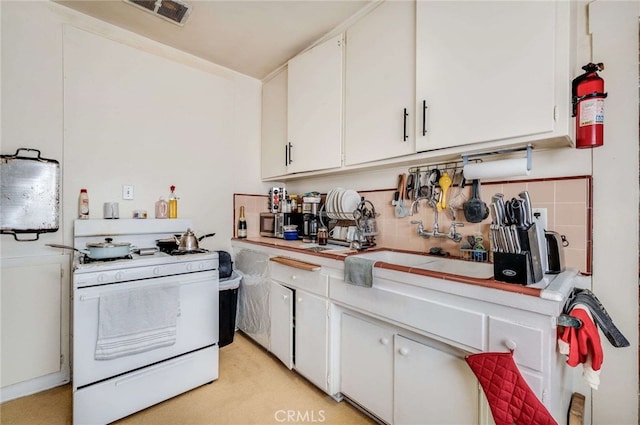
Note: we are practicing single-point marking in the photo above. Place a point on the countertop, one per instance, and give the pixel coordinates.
(552, 287)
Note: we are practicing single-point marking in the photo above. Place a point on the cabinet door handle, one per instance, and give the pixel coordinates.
(286, 154)
(384, 341)
(285, 297)
(424, 117)
(403, 351)
(290, 153)
(404, 129)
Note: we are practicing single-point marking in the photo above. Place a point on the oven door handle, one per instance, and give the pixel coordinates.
(150, 371)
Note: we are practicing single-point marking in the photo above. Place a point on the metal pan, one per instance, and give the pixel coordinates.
(101, 250)
(30, 195)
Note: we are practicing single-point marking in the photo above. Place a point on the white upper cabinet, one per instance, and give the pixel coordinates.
(274, 153)
(380, 84)
(315, 108)
(487, 71)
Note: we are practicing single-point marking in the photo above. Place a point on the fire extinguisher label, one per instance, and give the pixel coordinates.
(591, 112)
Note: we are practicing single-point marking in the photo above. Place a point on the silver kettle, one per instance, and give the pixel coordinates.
(189, 241)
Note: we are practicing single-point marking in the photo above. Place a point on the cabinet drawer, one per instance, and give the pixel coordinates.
(131, 392)
(528, 351)
(453, 323)
(309, 280)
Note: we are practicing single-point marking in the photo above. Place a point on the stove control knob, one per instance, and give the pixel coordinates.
(201, 266)
(189, 267)
(119, 275)
(156, 271)
(101, 278)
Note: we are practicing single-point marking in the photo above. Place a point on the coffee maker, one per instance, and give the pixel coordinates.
(310, 211)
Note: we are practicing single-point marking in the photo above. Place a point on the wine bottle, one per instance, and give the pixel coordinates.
(242, 224)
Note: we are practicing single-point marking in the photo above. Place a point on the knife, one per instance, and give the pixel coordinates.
(516, 239)
(499, 200)
(528, 208)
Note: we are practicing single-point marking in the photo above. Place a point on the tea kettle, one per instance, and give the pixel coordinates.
(189, 241)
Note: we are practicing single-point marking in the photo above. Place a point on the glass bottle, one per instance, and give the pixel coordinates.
(242, 224)
(83, 205)
(173, 203)
(162, 208)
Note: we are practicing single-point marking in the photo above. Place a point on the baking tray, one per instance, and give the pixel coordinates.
(29, 195)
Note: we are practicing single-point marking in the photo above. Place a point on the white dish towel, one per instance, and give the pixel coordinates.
(136, 321)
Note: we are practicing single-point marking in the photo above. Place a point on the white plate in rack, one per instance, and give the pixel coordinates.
(332, 202)
(349, 203)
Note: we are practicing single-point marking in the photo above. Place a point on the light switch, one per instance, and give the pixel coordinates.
(127, 191)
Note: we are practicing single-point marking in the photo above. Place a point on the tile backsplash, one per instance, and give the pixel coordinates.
(567, 201)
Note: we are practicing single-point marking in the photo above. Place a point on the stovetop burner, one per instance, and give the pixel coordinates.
(193, 251)
(85, 259)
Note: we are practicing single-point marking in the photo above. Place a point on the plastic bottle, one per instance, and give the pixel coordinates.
(83, 205)
(162, 208)
(173, 203)
(242, 224)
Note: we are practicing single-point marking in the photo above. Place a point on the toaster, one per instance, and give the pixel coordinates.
(555, 252)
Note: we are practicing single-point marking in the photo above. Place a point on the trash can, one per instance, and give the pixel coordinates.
(228, 303)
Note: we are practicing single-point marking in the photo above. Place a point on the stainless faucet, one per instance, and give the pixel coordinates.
(456, 237)
(414, 204)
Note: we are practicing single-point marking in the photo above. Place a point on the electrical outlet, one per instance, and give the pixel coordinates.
(127, 191)
(540, 215)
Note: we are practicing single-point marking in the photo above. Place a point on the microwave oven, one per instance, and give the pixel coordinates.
(271, 224)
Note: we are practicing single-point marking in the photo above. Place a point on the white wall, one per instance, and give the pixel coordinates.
(206, 166)
(206, 169)
(615, 30)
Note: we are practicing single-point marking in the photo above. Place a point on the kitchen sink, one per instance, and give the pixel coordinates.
(436, 264)
(333, 249)
(399, 258)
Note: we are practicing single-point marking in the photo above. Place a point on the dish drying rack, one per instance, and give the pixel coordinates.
(363, 218)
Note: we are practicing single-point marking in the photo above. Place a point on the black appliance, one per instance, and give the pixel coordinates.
(555, 252)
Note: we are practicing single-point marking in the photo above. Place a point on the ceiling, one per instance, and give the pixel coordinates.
(253, 37)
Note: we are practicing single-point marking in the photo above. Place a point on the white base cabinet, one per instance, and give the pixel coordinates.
(281, 312)
(432, 385)
(311, 336)
(300, 321)
(366, 365)
(397, 349)
(402, 381)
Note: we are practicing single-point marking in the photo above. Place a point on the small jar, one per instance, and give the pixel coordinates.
(162, 208)
(323, 236)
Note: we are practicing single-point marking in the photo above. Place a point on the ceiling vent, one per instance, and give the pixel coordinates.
(170, 10)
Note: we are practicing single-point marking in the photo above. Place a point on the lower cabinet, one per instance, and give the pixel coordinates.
(299, 332)
(366, 365)
(281, 312)
(311, 336)
(432, 386)
(402, 381)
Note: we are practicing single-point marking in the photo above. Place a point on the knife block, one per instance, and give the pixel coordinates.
(524, 268)
(513, 268)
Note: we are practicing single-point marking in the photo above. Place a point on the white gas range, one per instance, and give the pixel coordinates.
(145, 327)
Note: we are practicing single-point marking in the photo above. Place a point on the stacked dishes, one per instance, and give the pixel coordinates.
(342, 203)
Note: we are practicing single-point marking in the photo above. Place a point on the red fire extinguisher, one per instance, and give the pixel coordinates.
(588, 106)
